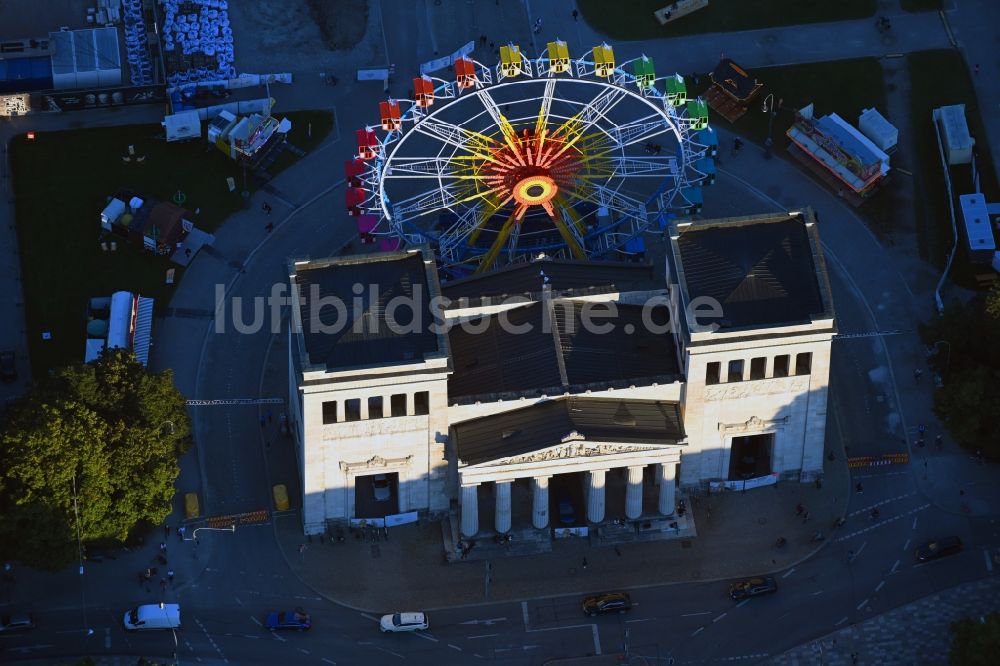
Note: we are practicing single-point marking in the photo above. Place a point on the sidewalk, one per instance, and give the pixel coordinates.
(736, 538)
(917, 633)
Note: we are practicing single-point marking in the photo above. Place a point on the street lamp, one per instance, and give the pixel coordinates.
(768, 108)
(947, 359)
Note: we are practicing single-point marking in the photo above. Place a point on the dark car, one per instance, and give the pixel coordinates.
(939, 548)
(8, 372)
(288, 621)
(607, 602)
(753, 587)
(21, 622)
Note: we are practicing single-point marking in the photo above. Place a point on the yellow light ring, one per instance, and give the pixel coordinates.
(535, 190)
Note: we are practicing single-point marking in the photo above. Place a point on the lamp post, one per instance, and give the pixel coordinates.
(79, 549)
(947, 359)
(768, 108)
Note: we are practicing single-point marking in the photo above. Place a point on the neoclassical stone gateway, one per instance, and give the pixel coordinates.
(561, 374)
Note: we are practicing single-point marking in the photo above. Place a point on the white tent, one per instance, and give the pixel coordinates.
(182, 126)
(114, 210)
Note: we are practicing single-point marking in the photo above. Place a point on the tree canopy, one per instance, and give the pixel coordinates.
(969, 363)
(975, 643)
(107, 434)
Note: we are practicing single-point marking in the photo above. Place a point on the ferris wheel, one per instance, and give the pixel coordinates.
(553, 155)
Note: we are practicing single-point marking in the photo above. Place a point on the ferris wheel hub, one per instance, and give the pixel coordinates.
(535, 190)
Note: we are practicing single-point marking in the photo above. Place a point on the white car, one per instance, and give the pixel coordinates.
(403, 622)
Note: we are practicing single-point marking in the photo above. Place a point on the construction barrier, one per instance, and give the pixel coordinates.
(191, 508)
(878, 461)
(249, 518)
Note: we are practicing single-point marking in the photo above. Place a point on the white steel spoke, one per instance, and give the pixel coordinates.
(422, 167)
(644, 166)
(545, 106)
(455, 135)
(608, 198)
(639, 130)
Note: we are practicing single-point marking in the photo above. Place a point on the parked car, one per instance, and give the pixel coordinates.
(404, 622)
(939, 548)
(380, 487)
(8, 372)
(297, 620)
(753, 587)
(19, 622)
(607, 602)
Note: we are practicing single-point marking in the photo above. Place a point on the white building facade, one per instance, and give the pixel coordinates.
(717, 371)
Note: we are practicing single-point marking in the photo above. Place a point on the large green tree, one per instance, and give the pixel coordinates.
(968, 359)
(975, 643)
(93, 448)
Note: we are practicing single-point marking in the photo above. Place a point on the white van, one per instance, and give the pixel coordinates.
(152, 617)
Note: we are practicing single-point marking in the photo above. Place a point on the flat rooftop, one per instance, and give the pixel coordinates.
(345, 319)
(37, 18)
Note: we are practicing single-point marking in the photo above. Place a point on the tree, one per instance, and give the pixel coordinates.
(975, 643)
(100, 441)
(969, 364)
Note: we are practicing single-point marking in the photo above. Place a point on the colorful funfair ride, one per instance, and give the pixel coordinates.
(553, 155)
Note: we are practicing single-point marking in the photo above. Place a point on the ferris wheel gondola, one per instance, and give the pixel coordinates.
(550, 155)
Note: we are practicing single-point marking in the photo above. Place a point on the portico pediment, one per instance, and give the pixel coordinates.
(574, 449)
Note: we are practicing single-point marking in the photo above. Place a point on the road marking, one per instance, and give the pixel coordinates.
(524, 613)
(862, 604)
(303, 651)
(893, 570)
(719, 618)
(645, 619)
(989, 561)
(880, 586)
(697, 631)
(530, 647)
(816, 594)
(247, 636)
(841, 621)
(388, 651)
(858, 552)
(914, 523)
(693, 614)
(328, 661)
(454, 647)
(906, 546)
(743, 603)
(423, 635)
(491, 621)
(881, 523)
(882, 503)
(597, 640)
(255, 621)
(789, 572)
(238, 602)
(277, 636)
(483, 636)
(371, 617)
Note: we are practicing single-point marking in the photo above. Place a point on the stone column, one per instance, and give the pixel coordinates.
(667, 472)
(595, 498)
(540, 505)
(502, 521)
(633, 493)
(470, 510)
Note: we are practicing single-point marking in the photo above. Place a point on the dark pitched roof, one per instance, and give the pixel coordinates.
(550, 422)
(367, 340)
(558, 351)
(561, 275)
(734, 80)
(762, 273)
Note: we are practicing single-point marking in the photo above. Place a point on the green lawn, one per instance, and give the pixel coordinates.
(634, 19)
(921, 5)
(940, 78)
(61, 183)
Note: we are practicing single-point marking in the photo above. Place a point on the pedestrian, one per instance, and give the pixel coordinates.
(917, 372)
(187, 252)
(163, 547)
(538, 27)
(163, 583)
(850, 555)
(170, 575)
(874, 513)
(737, 144)
(976, 69)
(920, 442)
(269, 227)
(819, 483)
(263, 421)
(854, 657)
(938, 441)
(493, 46)
(576, 15)
(142, 579)
(799, 509)
(921, 429)
(270, 417)
(657, 148)
(302, 548)
(180, 533)
(166, 531)
(585, 563)
(266, 207)
(805, 517)
(859, 488)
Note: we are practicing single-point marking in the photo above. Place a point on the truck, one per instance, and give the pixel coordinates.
(152, 617)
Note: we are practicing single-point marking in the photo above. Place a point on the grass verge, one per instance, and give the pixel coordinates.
(635, 20)
(941, 78)
(61, 183)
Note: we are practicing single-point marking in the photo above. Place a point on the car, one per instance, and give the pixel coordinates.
(754, 587)
(607, 602)
(8, 372)
(403, 622)
(932, 550)
(297, 620)
(380, 487)
(19, 622)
